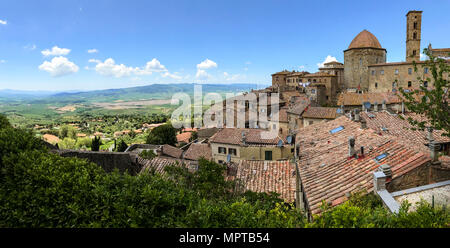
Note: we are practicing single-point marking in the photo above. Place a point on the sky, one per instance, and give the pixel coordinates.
(87, 45)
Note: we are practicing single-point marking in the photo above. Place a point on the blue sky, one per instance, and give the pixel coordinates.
(44, 44)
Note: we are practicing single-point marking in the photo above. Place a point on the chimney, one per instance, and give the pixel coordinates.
(430, 134)
(379, 181)
(243, 138)
(363, 124)
(375, 107)
(363, 108)
(351, 146)
(357, 117)
(403, 108)
(434, 149)
(383, 106)
(386, 169)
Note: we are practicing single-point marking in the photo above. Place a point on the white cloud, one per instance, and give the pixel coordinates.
(202, 74)
(423, 56)
(329, 58)
(2, 22)
(231, 77)
(110, 68)
(2, 61)
(56, 51)
(207, 64)
(301, 67)
(174, 76)
(248, 63)
(92, 51)
(59, 66)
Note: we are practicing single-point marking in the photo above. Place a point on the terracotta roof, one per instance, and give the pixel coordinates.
(440, 50)
(353, 99)
(285, 72)
(184, 137)
(50, 138)
(233, 136)
(318, 74)
(158, 164)
(196, 151)
(268, 176)
(207, 132)
(386, 123)
(172, 151)
(299, 106)
(327, 172)
(320, 113)
(282, 115)
(365, 39)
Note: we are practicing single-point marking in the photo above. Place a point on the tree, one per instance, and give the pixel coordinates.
(431, 102)
(4, 122)
(122, 146)
(96, 143)
(67, 131)
(164, 134)
(194, 136)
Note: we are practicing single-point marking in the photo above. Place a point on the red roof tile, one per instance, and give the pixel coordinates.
(196, 151)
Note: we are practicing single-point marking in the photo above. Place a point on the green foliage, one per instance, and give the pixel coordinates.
(4, 122)
(67, 143)
(122, 146)
(83, 143)
(96, 143)
(164, 134)
(194, 136)
(432, 102)
(147, 154)
(67, 131)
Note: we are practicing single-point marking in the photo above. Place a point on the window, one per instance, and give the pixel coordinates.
(310, 122)
(425, 84)
(414, 53)
(313, 91)
(268, 155)
(223, 150)
(409, 84)
(409, 71)
(425, 70)
(373, 72)
(380, 157)
(414, 36)
(396, 72)
(360, 61)
(220, 161)
(340, 128)
(382, 72)
(376, 85)
(415, 25)
(232, 151)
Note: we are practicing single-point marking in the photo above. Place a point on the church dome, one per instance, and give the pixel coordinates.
(365, 39)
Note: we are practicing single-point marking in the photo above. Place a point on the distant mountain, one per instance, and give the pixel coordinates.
(154, 91)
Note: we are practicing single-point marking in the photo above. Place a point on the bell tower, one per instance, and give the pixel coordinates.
(413, 34)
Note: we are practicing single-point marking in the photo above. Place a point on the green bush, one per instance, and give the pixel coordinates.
(161, 135)
(147, 154)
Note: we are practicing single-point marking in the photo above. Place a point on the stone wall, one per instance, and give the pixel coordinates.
(107, 160)
(356, 64)
(422, 175)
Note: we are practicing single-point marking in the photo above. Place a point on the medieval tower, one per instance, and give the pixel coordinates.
(413, 34)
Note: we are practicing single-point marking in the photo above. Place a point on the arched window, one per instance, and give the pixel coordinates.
(415, 25)
(414, 35)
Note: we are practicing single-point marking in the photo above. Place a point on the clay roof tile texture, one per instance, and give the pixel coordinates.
(365, 39)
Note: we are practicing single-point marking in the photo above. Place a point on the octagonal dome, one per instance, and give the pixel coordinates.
(365, 39)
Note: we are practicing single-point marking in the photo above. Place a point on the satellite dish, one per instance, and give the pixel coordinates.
(280, 143)
(289, 139)
(228, 158)
(367, 105)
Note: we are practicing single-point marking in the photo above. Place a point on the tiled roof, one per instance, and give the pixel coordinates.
(326, 171)
(50, 138)
(320, 113)
(172, 151)
(233, 136)
(299, 106)
(386, 123)
(196, 151)
(282, 115)
(184, 137)
(285, 72)
(402, 63)
(207, 132)
(365, 39)
(353, 99)
(268, 176)
(318, 74)
(158, 164)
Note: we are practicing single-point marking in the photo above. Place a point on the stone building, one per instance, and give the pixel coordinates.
(439, 52)
(337, 69)
(279, 78)
(321, 78)
(236, 144)
(364, 50)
